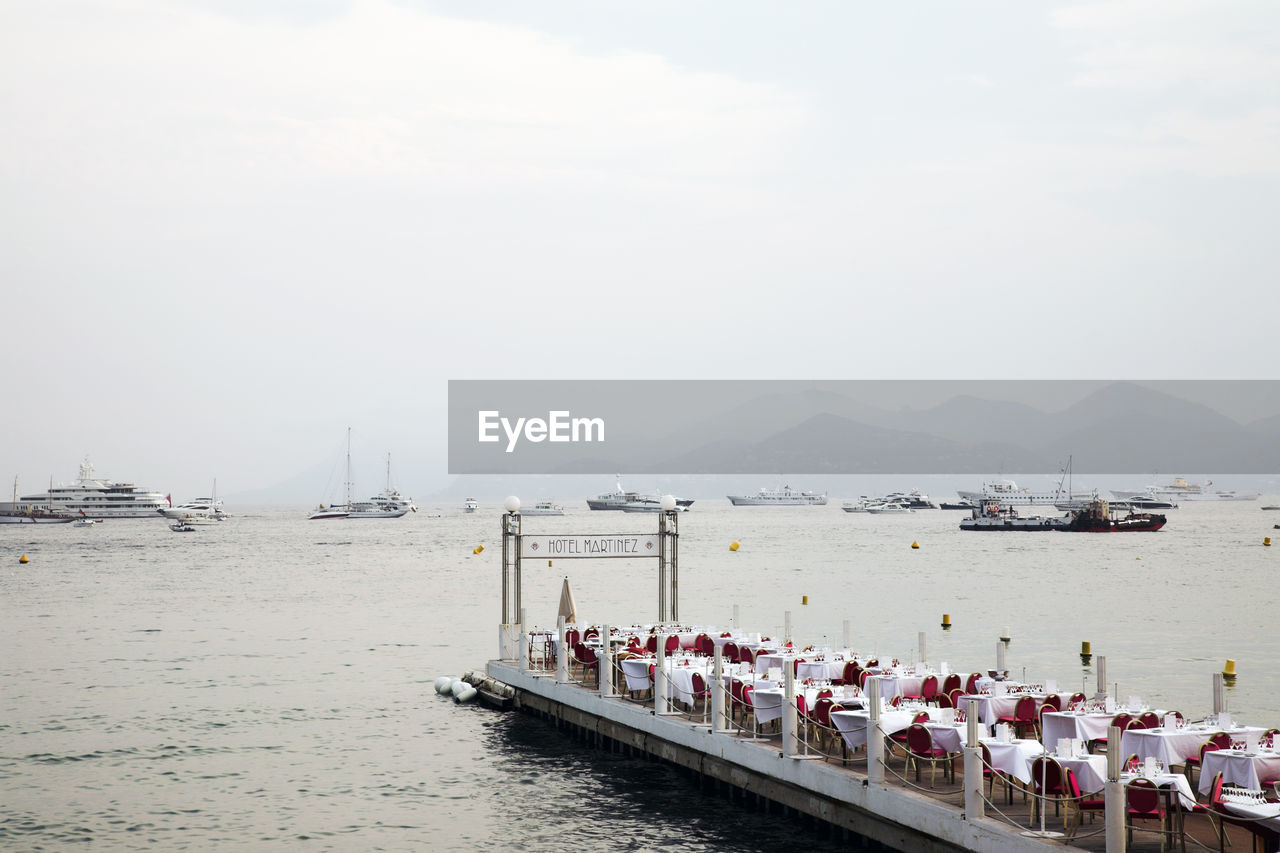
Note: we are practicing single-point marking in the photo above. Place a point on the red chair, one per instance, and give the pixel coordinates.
(586, 658)
(672, 644)
(1077, 701)
(1080, 803)
(1218, 740)
(1053, 702)
(1049, 782)
(862, 678)
(944, 701)
(748, 710)
(900, 737)
(955, 697)
(735, 699)
(1023, 717)
(572, 636)
(1120, 721)
(593, 631)
(920, 748)
(1143, 801)
(992, 775)
(929, 689)
(820, 720)
(1149, 720)
(951, 682)
(730, 651)
(848, 675)
(971, 685)
(745, 655)
(651, 644)
(700, 690)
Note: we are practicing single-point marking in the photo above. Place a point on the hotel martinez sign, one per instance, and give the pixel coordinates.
(575, 547)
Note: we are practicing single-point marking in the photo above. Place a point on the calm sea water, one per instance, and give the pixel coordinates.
(267, 684)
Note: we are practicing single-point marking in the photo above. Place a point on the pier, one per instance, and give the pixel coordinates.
(666, 693)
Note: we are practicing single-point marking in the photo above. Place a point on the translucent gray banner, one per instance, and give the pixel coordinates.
(862, 426)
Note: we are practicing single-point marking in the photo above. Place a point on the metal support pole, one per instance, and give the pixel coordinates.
(1114, 799)
(848, 636)
(1001, 667)
(875, 740)
(786, 627)
(1102, 678)
(719, 722)
(562, 652)
(522, 647)
(975, 807)
(1219, 697)
(605, 667)
(662, 569)
(673, 553)
(923, 655)
(790, 718)
(660, 677)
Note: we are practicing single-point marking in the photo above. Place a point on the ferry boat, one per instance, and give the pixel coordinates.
(1180, 489)
(1097, 518)
(620, 499)
(470, 505)
(96, 498)
(786, 496)
(1008, 493)
(994, 516)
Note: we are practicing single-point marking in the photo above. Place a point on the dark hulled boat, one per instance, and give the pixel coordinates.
(1096, 518)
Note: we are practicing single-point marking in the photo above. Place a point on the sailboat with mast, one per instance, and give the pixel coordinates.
(388, 503)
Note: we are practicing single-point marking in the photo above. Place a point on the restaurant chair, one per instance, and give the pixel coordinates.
(929, 689)
(896, 701)
(701, 692)
(1048, 782)
(1120, 721)
(748, 711)
(1220, 740)
(971, 685)
(1077, 700)
(820, 720)
(1023, 717)
(862, 678)
(952, 682)
(944, 701)
(825, 693)
(1144, 801)
(1053, 702)
(587, 661)
(1268, 738)
(730, 652)
(874, 663)
(735, 699)
(745, 655)
(651, 644)
(920, 748)
(672, 644)
(592, 631)
(1149, 720)
(1206, 809)
(900, 737)
(955, 697)
(993, 775)
(1078, 804)
(849, 674)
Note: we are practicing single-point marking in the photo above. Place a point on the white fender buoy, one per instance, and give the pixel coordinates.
(468, 693)
(457, 685)
(442, 684)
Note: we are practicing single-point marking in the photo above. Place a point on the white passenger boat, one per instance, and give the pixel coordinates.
(543, 508)
(470, 505)
(97, 498)
(889, 508)
(786, 496)
(388, 503)
(1008, 493)
(620, 499)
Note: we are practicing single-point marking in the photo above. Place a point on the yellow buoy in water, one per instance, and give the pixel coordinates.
(946, 621)
(915, 544)
(733, 546)
(1266, 540)
(477, 549)
(23, 559)
(804, 599)
(1229, 669)
(1086, 651)
(548, 564)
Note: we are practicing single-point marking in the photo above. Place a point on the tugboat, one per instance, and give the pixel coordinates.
(996, 516)
(1096, 518)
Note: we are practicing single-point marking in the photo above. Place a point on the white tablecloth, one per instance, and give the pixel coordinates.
(852, 725)
(1014, 758)
(1166, 780)
(636, 671)
(1064, 724)
(1171, 746)
(1090, 771)
(1267, 814)
(992, 707)
(1244, 770)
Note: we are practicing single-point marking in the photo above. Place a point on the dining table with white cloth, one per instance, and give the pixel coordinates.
(1171, 746)
(636, 671)
(1013, 757)
(992, 707)
(1252, 808)
(1170, 782)
(1079, 725)
(1242, 768)
(852, 726)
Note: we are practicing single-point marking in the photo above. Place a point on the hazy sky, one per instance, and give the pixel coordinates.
(232, 229)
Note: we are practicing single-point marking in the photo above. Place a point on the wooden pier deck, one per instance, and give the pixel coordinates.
(900, 813)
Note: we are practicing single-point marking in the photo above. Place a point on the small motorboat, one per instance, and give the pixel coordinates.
(182, 527)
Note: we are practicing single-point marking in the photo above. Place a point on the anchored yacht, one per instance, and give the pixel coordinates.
(95, 498)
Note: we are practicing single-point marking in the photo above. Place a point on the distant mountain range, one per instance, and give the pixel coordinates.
(1123, 427)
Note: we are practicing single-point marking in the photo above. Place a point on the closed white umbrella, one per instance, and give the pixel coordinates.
(568, 609)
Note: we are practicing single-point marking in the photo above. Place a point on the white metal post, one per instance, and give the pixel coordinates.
(875, 741)
(1114, 799)
(562, 652)
(924, 656)
(522, 645)
(975, 807)
(789, 716)
(719, 722)
(1000, 658)
(660, 677)
(786, 627)
(1219, 703)
(1102, 678)
(604, 668)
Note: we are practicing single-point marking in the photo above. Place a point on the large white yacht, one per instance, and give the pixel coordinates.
(94, 498)
(1181, 490)
(1008, 493)
(621, 499)
(786, 496)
